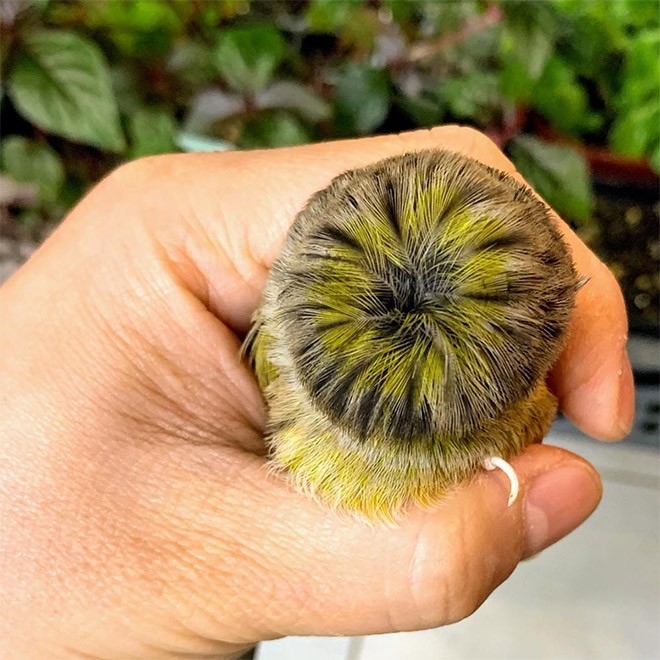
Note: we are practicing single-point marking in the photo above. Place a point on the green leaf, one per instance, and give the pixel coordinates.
(531, 29)
(60, 82)
(294, 96)
(136, 15)
(362, 98)
(247, 56)
(642, 68)
(350, 21)
(152, 132)
(192, 62)
(210, 106)
(449, 17)
(475, 96)
(35, 163)
(361, 30)
(558, 173)
(72, 191)
(426, 109)
(562, 99)
(591, 40)
(655, 157)
(273, 129)
(403, 11)
(128, 86)
(514, 81)
(192, 142)
(212, 13)
(137, 28)
(636, 129)
(328, 16)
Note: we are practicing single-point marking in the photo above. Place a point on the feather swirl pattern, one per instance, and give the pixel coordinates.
(407, 328)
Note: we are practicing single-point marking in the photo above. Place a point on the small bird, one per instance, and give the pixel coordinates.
(406, 331)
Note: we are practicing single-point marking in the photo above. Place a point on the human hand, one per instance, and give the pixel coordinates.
(138, 518)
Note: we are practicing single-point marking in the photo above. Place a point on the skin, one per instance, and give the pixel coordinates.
(138, 518)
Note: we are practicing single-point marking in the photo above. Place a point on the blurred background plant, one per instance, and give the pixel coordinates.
(569, 88)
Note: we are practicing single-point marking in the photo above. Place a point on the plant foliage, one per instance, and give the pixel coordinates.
(88, 84)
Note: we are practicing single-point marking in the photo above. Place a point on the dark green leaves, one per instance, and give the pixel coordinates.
(139, 28)
(196, 75)
(294, 96)
(558, 173)
(152, 131)
(36, 163)
(531, 27)
(328, 15)
(273, 129)
(247, 56)
(362, 99)
(562, 99)
(60, 82)
(636, 130)
(425, 109)
(192, 62)
(475, 95)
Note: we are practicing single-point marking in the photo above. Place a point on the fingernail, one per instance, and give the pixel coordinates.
(557, 502)
(626, 400)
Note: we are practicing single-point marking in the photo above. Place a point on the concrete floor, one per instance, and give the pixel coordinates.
(594, 595)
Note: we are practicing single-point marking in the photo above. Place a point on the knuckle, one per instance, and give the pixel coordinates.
(134, 190)
(471, 142)
(135, 172)
(122, 192)
(158, 173)
(467, 137)
(472, 138)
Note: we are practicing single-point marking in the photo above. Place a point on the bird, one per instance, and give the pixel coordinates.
(406, 331)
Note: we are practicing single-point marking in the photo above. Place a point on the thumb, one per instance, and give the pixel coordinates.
(320, 573)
